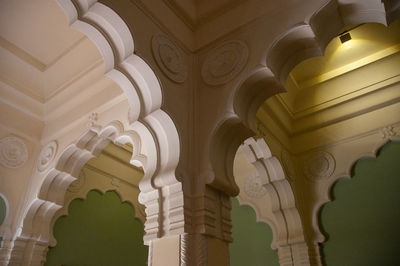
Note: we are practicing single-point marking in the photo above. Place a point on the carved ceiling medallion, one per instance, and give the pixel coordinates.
(13, 152)
(224, 62)
(47, 155)
(319, 165)
(170, 58)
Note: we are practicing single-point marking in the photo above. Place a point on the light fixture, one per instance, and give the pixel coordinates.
(345, 36)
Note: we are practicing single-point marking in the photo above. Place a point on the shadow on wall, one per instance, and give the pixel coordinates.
(362, 222)
(99, 230)
(251, 239)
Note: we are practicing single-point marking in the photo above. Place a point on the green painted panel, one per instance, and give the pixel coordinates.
(363, 221)
(99, 230)
(3, 210)
(251, 240)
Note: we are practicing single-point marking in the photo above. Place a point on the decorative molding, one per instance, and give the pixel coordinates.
(13, 152)
(319, 165)
(46, 156)
(287, 164)
(78, 183)
(193, 250)
(253, 187)
(288, 231)
(170, 58)
(388, 132)
(93, 119)
(224, 62)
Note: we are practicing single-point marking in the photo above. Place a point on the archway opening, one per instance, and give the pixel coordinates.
(101, 221)
(361, 223)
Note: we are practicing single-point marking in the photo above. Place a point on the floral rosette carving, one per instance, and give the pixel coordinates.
(47, 155)
(254, 188)
(13, 152)
(170, 58)
(319, 165)
(224, 62)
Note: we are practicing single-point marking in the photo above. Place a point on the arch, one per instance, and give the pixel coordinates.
(373, 153)
(287, 229)
(76, 209)
(151, 131)
(4, 222)
(37, 221)
(368, 174)
(302, 41)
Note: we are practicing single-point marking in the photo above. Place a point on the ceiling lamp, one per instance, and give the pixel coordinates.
(345, 36)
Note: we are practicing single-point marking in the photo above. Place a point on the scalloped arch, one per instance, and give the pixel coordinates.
(303, 41)
(288, 228)
(336, 178)
(65, 212)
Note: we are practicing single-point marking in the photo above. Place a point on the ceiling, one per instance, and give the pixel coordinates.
(195, 12)
(39, 53)
(370, 43)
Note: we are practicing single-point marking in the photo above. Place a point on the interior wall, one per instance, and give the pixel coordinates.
(251, 239)
(100, 230)
(362, 221)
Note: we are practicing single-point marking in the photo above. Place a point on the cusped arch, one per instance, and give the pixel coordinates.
(37, 221)
(124, 198)
(154, 137)
(284, 220)
(372, 153)
(302, 41)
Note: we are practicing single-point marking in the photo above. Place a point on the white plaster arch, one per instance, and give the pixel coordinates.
(151, 131)
(37, 223)
(367, 152)
(302, 41)
(285, 221)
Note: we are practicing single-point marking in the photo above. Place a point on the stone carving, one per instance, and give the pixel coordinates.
(193, 250)
(319, 165)
(93, 118)
(224, 62)
(388, 132)
(253, 187)
(47, 155)
(288, 165)
(13, 152)
(78, 183)
(170, 58)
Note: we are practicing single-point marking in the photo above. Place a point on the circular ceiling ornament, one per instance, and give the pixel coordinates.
(170, 58)
(47, 155)
(319, 165)
(13, 152)
(224, 62)
(254, 188)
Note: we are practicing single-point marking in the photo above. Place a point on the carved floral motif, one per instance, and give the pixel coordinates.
(47, 155)
(170, 58)
(253, 187)
(319, 165)
(224, 62)
(13, 152)
(388, 132)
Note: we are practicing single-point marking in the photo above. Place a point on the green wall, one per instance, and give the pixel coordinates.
(251, 240)
(100, 230)
(3, 210)
(363, 220)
